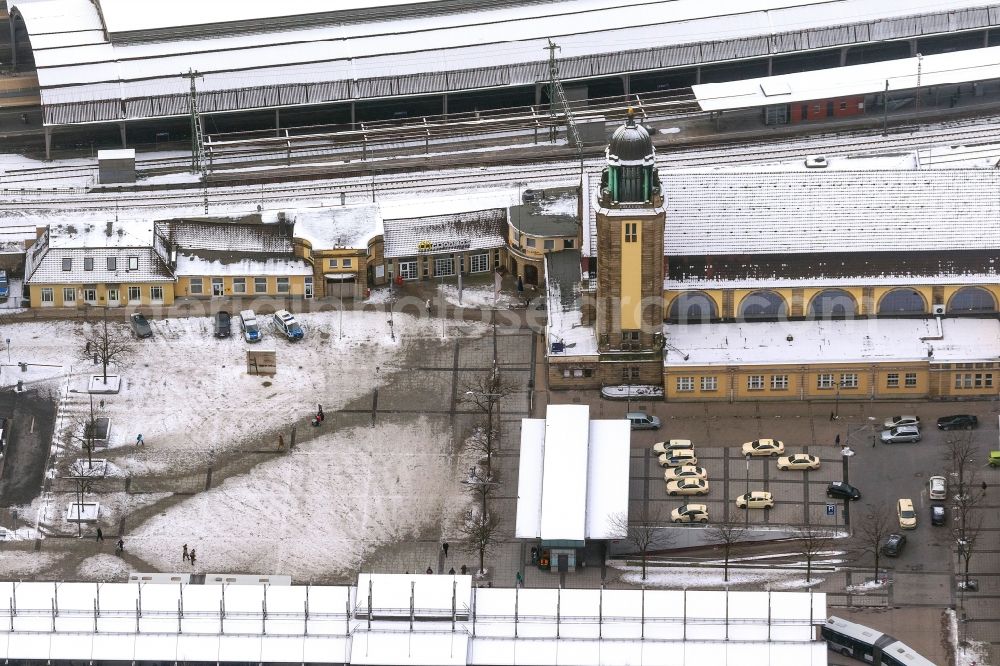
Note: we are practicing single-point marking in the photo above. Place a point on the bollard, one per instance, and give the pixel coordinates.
(23, 366)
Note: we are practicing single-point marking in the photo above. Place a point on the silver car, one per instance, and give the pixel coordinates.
(901, 434)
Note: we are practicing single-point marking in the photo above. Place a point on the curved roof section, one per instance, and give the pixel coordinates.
(631, 145)
(432, 47)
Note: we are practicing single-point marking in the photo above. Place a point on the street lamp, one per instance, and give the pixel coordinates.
(746, 497)
(847, 452)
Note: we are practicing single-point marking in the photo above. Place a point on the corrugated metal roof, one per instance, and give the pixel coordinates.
(459, 232)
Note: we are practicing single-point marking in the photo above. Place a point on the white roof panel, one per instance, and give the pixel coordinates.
(529, 479)
(564, 472)
(607, 478)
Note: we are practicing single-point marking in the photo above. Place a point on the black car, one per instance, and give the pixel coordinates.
(958, 422)
(140, 326)
(223, 324)
(842, 490)
(939, 514)
(893, 545)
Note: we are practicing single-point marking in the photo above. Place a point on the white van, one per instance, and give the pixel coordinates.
(251, 332)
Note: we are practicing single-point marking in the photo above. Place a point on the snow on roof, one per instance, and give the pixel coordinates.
(445, 234)
(120, 154)
(394, 647)
(839, 211)
(431, 595)
(235, 237)
(564, 472)
(563, 303)
(233, 263)
(338, 226)
(838, 341)
(903, 74)
(131, 233)
(109, 265)
(608, 464)
(529, 479)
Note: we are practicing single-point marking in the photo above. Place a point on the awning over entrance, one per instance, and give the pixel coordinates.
(340, 277)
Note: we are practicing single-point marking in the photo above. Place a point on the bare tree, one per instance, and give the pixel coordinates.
(485, 394)
(109, 344)
(963, 470)
(811, 543)
(727, 534)
(479, 532)
(83, 431)
(967, 543)
(872, 531)
(641, 532)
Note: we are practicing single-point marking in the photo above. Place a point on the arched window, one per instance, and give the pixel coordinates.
(972, 299)
(763, 305)
(692, 307)
(902, 301)
(832, 304)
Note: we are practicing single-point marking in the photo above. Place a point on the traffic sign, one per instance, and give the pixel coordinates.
(831, 509)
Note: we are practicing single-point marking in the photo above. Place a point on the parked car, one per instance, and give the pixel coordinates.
(223, 324)
(937, 488)
(251, 331)
(690, 513)
(685, 472)
(816, 162)
(285, 322)
(907, 516)
(687, 487)
(799, 461)
(763, 447)
(842, 490)
(939, 515)
(671, 445)
(140, 326)
(958, 422)
(643, 421)
(900, 434)
(893, 546)
(756, 499)
(903, 420)
(678, 459)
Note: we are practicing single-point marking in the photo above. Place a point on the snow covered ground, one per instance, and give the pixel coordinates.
(314, 512)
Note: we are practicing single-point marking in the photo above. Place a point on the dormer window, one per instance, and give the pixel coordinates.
(67, 263)
(88, 263)
(133, 263)
(112, 263)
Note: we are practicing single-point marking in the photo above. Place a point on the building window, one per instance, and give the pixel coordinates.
(576, 373)
(133, 263)
(307, 290)
(630, 373)
(282, 285)
(568, 244)
(987, 380)
(779, 382)
(347, 263)
(408, 270)
(156, 294)
(67, 263)
(90, 294)
(69, 295)
(910, 380)
(824, 381)
(196, 287)
(444, 266)
(892, 380)
(631, 232)
(630, 339)
(88, 263)
(480, 262)
(496, 258)
(849, 380)
(549, 244)
(134, 295)
(332, 263)
(47, 295)
(755, 382)
(530, 242)
(113, 297)
(709, 384)
(239, 285)
(685, 383)
(260, 285)
(112, 264)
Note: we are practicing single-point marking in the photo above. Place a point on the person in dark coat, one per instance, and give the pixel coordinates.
(121, 547)
(444, 547)
(184, 555)
(192, 557)
(429, 570)
(100, 534)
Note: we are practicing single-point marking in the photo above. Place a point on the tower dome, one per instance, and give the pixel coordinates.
(630, 176)
(630, 145)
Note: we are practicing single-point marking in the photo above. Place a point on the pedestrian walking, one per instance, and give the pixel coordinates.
(184, 555)
(427, 304)
(429, 570)
(444, 547)
(451, 572)
(138, 440)
(464, 570)
(319, 413)
(120, 547)
(837, 440)
(984, 490)
(100, 534)
(831, 416)
(519, 580)
(874, 440)
(192, 557)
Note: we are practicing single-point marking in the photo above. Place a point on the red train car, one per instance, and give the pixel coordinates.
(820, 109)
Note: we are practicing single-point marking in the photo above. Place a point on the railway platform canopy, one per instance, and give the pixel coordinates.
(112, 61)
(944, 69)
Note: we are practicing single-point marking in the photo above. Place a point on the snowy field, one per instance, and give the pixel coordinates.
(314, 512)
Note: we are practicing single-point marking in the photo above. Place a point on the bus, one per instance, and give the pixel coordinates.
(869, 645)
